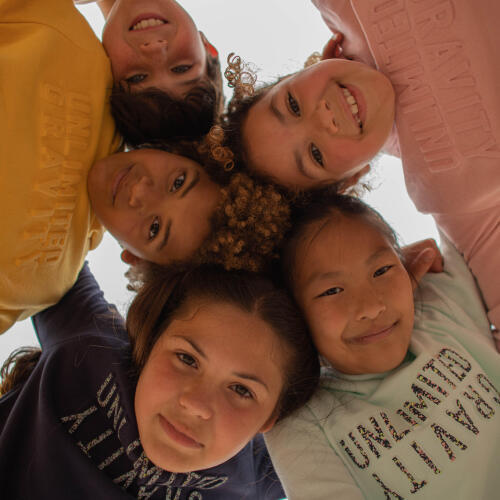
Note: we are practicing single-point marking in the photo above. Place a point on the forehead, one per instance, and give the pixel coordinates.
(226, 331)
(337, 242)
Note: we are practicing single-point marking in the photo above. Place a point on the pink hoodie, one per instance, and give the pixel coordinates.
(443, 58)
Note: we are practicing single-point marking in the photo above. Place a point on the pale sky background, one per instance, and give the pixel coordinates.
(276, 36)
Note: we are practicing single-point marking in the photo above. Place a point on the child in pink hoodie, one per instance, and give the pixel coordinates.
(435, 78)
(440, 59)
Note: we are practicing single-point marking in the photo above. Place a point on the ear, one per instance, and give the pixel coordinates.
(348, 182)
(269, 424)
(129, 258)
(211, 50)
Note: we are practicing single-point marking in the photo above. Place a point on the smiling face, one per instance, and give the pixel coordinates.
(154, 43)
(156, 204)
(329, 121)
(356, 295)
(205, 390)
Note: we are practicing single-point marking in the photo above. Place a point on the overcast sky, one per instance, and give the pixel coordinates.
(277, 36)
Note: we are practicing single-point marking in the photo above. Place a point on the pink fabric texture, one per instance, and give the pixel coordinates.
(443, 59)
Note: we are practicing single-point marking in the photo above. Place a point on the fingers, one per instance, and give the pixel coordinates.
(420, 265)
(333, 48)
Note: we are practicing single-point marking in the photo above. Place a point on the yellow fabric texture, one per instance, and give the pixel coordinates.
(55, 123)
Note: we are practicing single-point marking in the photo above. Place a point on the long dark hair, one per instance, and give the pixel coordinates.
(164, 294)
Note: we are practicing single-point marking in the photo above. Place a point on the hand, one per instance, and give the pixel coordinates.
(422, 257)
(333, 48)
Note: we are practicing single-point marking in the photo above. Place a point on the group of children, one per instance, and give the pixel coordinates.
(171, 404)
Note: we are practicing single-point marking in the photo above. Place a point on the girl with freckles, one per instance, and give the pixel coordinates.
(169, 404)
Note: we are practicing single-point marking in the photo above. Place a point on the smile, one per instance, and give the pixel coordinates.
(179, 436)
(374, 336)
(150, 22)
(353, 105)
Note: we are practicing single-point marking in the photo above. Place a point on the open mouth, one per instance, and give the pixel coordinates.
(353, 105)
(145, 23)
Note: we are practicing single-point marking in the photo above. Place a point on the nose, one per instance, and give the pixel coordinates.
(141, 193)
(196, 402)
(155, 48)
(325, 117)
(370, 305)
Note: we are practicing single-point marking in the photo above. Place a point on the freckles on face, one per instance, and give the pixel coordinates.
(205, 390)
(356, 295)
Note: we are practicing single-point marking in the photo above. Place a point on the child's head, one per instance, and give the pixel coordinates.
(222, 356)
(344, 267)
(167, 75)
(163, 207)
(321, 125)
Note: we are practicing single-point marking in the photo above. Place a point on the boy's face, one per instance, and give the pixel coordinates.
(206, 390)
(329, 121)
(356, 295)
(154, 43)
(156, 204)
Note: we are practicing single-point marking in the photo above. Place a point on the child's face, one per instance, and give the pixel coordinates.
(356, 295)
(310, 116)
(211, 382)
(156, 204)
(154, 43)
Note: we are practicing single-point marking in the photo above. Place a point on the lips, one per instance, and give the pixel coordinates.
(118, 182)
(374, 334)
(179, 434)
(350, 97)
(147, 21)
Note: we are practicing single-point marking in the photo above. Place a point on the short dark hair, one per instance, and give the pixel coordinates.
(166, 292)
(153, 115)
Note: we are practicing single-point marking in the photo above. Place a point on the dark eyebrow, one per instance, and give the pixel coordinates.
(192, 344)
(253, 378)
(300, 166)
(193, 183)
(276, 112)
(244, 376)
(166, 234)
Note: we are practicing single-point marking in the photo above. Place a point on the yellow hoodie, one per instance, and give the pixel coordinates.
(55, 123)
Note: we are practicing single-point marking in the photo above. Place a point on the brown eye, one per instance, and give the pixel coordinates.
(316, 154)
(293, 105)
(242, 391)
(154, 229)
(181, 69)
(134, 79)
(381, 271)
(178, 183)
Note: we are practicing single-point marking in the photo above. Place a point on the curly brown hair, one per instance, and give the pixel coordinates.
(249, 222)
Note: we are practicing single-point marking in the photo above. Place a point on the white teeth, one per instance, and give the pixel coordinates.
(147, 23)
(352, 104)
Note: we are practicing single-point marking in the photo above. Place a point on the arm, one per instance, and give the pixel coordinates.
(422, 257)
(452, 167)
(82, 309)
(306, 464)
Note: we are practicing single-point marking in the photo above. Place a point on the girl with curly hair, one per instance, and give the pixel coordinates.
(325, 123)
